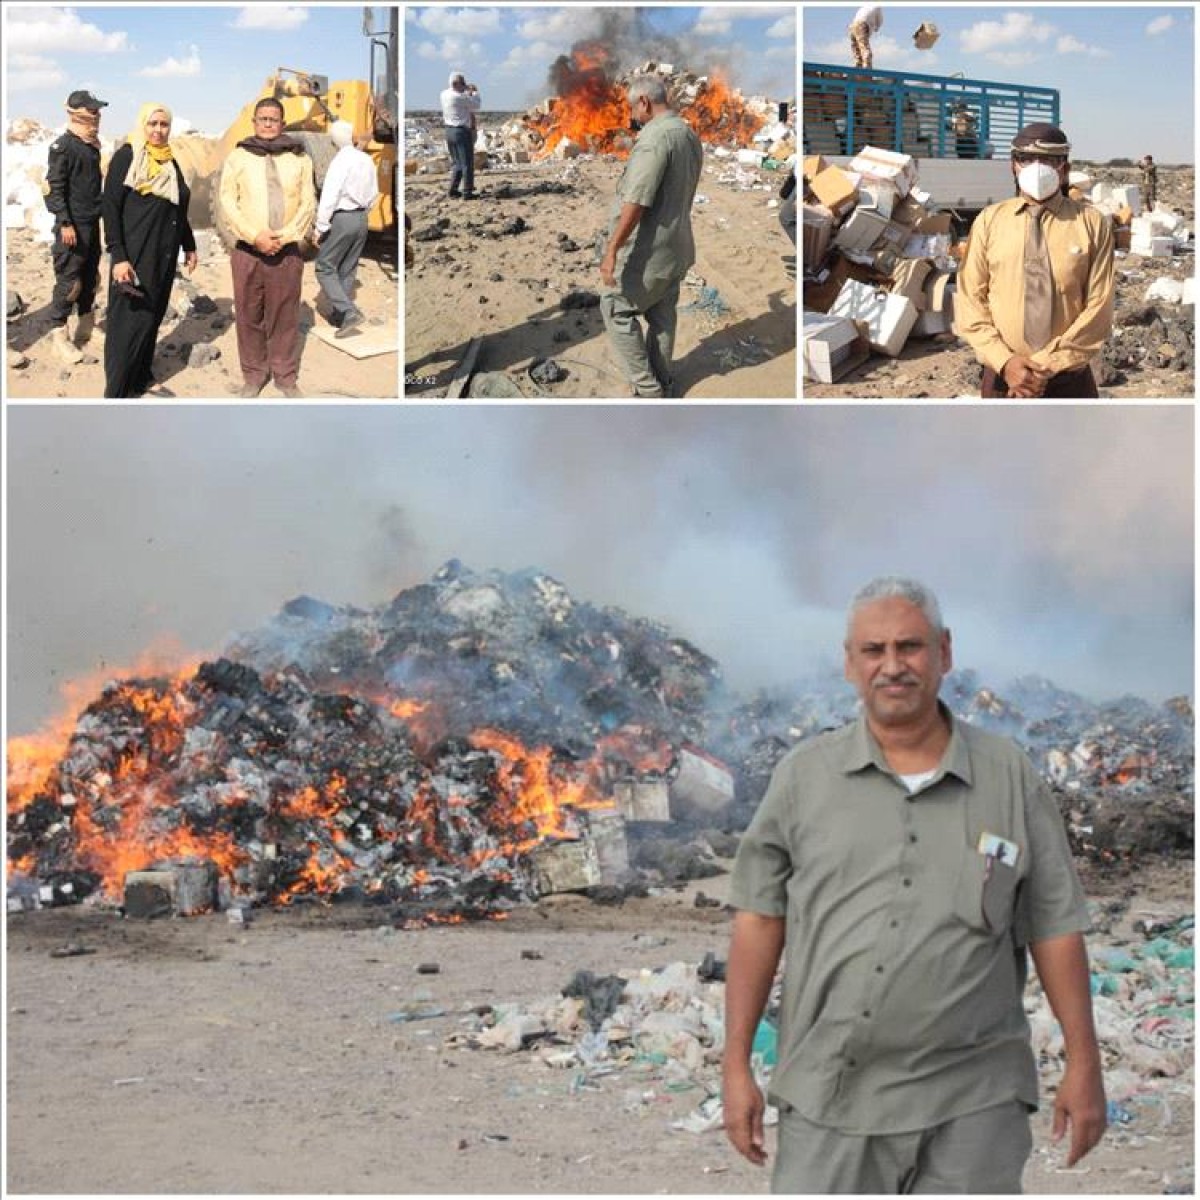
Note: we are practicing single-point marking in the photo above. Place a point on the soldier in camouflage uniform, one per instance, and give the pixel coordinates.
(1149, 180)
(867, 21)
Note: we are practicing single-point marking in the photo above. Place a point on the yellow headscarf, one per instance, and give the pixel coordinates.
(148, 172)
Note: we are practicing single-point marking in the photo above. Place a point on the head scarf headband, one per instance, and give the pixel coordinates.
(151, 172)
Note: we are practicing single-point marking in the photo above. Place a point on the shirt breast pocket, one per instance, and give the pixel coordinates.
(1075, 267)
(986, 896)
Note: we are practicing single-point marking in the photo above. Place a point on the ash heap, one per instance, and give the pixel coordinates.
(484, 739)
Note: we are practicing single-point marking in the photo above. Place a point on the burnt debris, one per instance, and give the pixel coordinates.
(481, 740)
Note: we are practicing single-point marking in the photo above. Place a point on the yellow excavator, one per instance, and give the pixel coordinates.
(311, 104)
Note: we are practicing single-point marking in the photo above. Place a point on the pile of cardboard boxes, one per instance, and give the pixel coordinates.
(1151, 233)
(879, 261)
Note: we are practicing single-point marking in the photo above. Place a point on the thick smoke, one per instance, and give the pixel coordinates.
(1059, 539)
(614, 41)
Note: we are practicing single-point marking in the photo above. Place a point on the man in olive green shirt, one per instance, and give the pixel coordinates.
(1035, 292)
(909, 861)
(650, 246)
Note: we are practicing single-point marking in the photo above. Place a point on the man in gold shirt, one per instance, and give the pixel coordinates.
(268, 201)
(1035, 292)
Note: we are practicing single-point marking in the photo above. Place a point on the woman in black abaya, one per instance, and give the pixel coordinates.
(145, 227)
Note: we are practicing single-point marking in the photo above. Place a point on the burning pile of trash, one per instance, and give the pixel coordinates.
(480, 741)
(453, 753)
(589, 114)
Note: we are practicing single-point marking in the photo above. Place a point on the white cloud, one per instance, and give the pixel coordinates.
(1072, 45)
(1012, 58)
(1160, 25)
(1014, 30)
(536, 56)
(173, 67)
(713, 22)
(29, 71)
(471, 21)
(785, 27)
(270, 16)
(886, 53)
(560, 26)
(58, 29)
(462, 54)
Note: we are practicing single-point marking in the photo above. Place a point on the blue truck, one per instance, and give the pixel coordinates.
(958, 129)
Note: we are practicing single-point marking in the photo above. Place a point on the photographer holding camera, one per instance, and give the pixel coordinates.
(460, 103)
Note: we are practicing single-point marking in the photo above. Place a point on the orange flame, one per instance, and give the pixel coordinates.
(719, 115)
(534, 790)
(592, 110)
(32, 758)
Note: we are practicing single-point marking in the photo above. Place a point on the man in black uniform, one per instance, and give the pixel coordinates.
(73, 196)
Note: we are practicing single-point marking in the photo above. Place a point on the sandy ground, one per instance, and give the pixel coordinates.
(198, 1056)
(328, 368)
(943, 367)
(507, 288)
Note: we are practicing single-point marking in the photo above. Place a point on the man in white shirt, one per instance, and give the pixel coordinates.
(866, 21)
(460, 103)
(351, 186)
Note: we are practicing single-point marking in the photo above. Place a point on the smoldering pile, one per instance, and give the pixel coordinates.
(486, 738)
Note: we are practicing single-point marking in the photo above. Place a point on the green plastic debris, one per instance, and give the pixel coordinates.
(1170, 953)
(766, 1043)
(1113, 958)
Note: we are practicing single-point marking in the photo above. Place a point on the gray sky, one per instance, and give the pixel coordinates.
(1059, 539)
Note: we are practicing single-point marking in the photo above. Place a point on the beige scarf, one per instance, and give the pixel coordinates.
(152, 171)
(84, 124)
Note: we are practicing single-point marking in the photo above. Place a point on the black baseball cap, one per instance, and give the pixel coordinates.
(85, 100)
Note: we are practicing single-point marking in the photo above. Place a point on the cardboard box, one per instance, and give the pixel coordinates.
(930, 323)
(1155, 247)
(889, 318)
(833, 346)
(835, 190)
(908, 279)
(908, 211)
(861, 230)
(816, 230)
(874, 196)
(814, 164)
(820, 293)
(1129, 196)
(936, 305)
(888, 166)
(1122, 237)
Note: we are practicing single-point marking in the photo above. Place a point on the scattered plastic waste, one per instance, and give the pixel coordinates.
(765, 1043)
(415, 1012)
(709, 301)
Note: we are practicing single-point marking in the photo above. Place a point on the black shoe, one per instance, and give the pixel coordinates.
(470, 195)
(454, 195)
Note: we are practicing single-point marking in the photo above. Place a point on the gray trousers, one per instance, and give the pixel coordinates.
(337, 258)
(645, 358)
(982, 1152)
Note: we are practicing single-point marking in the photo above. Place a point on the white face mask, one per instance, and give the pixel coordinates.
(1038, 180)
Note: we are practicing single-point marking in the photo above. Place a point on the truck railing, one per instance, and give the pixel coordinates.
(927, 116)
